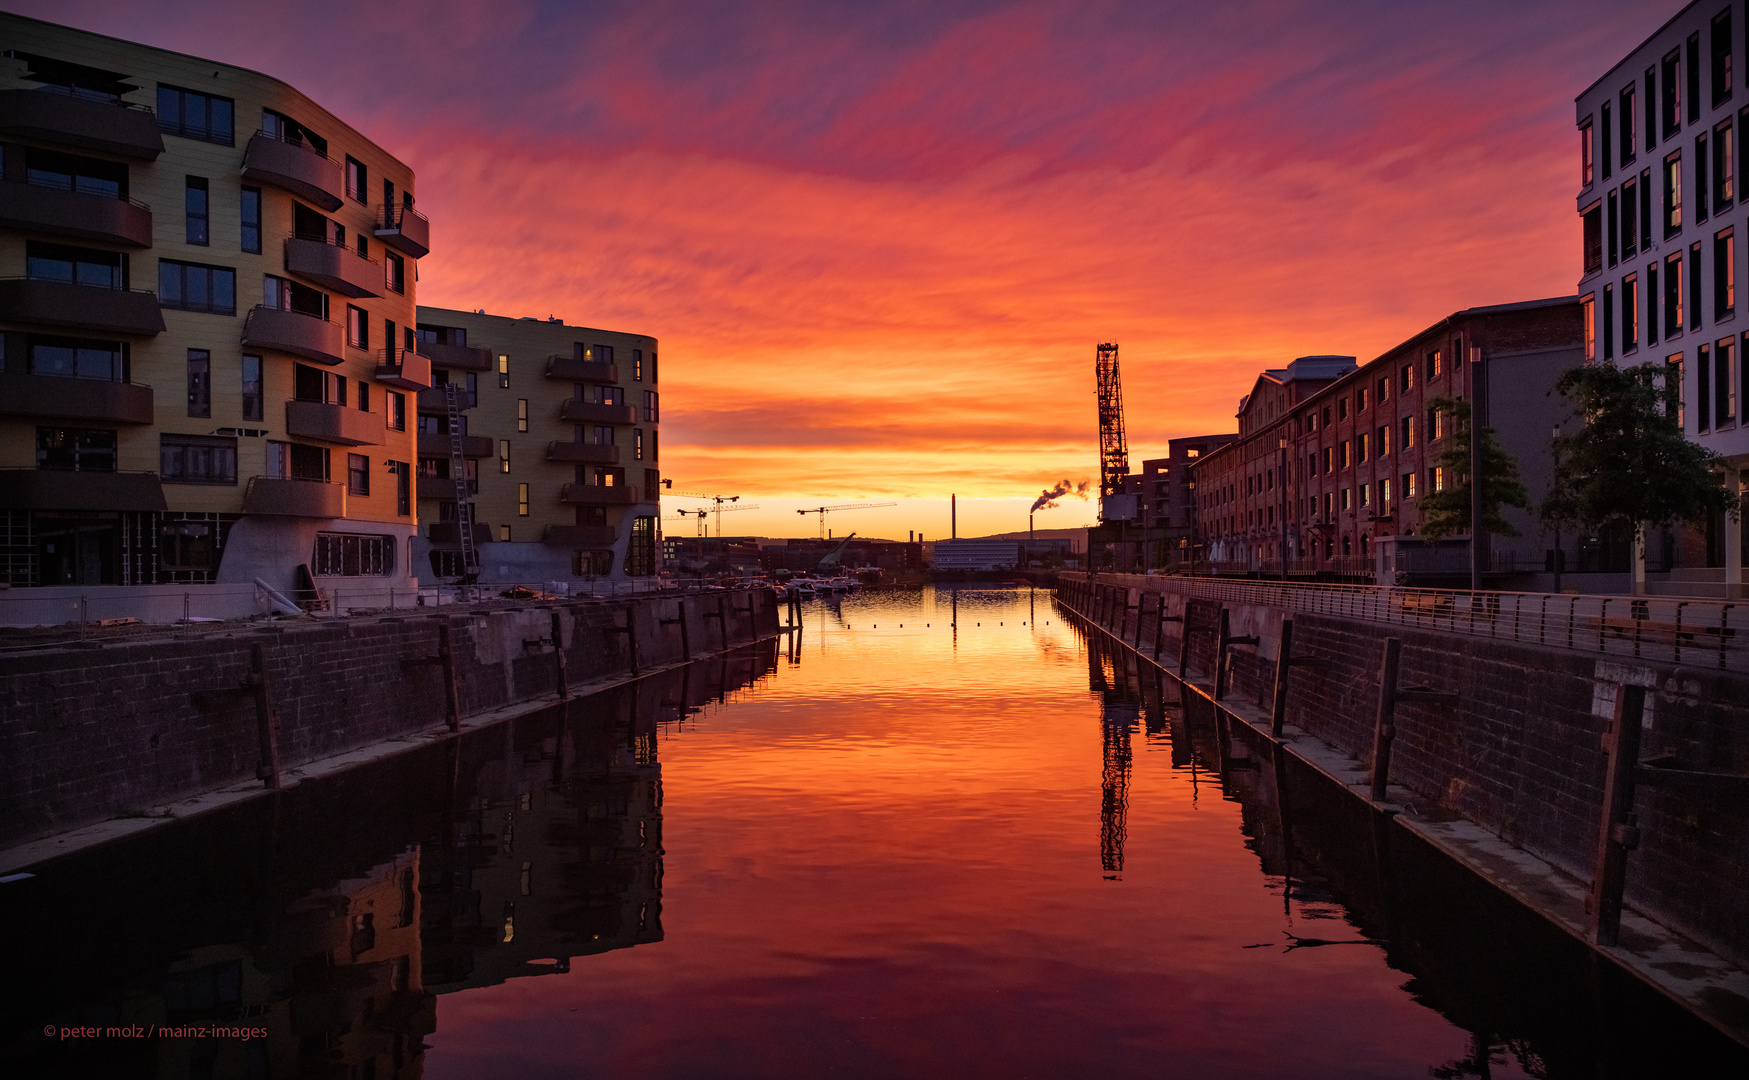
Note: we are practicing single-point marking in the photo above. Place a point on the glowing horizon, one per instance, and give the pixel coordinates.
(879, 243)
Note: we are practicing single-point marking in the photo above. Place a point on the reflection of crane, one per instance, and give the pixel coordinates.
(1117, 715)
(824, 510)
(718, 501)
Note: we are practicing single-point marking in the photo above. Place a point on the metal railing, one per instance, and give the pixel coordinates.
(391, 216)
(1667, 629)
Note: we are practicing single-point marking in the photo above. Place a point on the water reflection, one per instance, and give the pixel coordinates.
(317, 926)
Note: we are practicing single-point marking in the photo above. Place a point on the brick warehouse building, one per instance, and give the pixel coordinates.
(207, 309)
(1336, 472)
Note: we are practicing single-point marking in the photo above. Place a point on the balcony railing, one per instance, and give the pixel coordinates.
(296, 333)
(432, 444)
(582, 536)
(80, 307)
(64, 489)
(288, 497)
(81, 215)
(337, 424)
(588, 412)
(54, 114)
(443, 487)
(597, 495)
(404, 369)
(573, 370)
(583, 453)
(333, 265)
(456, 357)
(436, 399)
(69, 398)
(404, 229)
(296, 167)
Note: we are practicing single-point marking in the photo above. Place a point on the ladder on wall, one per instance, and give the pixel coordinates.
(458, 471)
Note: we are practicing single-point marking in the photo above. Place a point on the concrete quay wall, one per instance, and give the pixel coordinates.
(93, 733)
(1520, 754)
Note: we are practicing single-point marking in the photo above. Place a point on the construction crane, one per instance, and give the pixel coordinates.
(1114, 454)
(824, 510)
(717, 502)
(704, 530)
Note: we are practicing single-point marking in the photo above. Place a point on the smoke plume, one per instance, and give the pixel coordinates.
(1048, 498)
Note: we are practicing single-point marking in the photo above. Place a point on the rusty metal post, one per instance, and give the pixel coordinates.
(632, 635)
(685, 634)
(1221, 658)
(1385, 722)
(1283, 664)
(559, 658)
(452, 696)
(266, 717)
(1616, 833)
(1184, 648)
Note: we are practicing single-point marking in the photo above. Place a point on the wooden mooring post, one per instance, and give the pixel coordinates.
(266, 717)
(1222, 664)
(559, 673)
(1283, 664)
(1160, 626)
(1384, 731)
(680, 618)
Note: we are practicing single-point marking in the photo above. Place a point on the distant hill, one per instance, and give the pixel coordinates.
(1042, 534)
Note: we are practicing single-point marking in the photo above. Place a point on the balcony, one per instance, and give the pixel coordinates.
(79, 123)
(583, 453)
(583, 536)
(446, 532)
(54, 489)
(596, 495)
(404, 229)
(432, 444)
(333, 266)
(336, 424)
(442, 487)
(588, 412)
(404, 369)
(436, 400)
(295, 333)
(456, 357)
(295, 167)
(286, 497)
(68, 398)
(76, 214)
(573, 370)
(81, 307)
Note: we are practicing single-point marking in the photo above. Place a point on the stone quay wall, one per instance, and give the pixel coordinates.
(112, 729)
(1520, 754)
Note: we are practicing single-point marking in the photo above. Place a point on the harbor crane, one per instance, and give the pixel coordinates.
(824, 510)
(717, 502)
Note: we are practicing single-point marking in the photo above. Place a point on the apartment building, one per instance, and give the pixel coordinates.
(1168, 503)
(1331, 458)
(207, 313)
(1661, 150)
(559, 429)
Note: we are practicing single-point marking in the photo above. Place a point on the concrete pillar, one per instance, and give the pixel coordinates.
(1734, 542)
(1639, 559)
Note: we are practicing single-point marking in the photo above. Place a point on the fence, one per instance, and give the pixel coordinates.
(1707, 633)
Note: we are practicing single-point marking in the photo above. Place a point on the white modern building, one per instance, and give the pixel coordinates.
(1661, 164)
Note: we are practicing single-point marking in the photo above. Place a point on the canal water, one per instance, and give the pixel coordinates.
(939, 833)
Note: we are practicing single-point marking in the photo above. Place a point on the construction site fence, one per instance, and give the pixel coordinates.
(1694, 632)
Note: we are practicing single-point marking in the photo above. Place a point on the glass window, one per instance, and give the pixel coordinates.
(252, 397)
(200, 383)
(195, 287)
(395, 272)
(249, 214)
(78, 358)
(356, 179)
(75, 449)
(197, 459)
(357, 474)
(75, 266)
(504, 455)
(194, 205)
(396, 408)
(357, 327)
(195, 115)
(522, 500)
(521, 414)
(353, 555)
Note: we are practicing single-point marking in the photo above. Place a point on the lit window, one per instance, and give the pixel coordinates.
(522, 500)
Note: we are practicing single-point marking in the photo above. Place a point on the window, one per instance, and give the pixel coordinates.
(1408, 485)
(1608, 321)
(1629, 134)
(1612, 226)
(521, 414)
(1652, 301)
(503, 371)
(194, 115)
(1592, 219)
(356, 179)
(609, 395)
(653, 447)
(357, 474)
(1329, 460)
(395, 269)
(1692, 300)
(403, 487)
(1346, 454)
(1725, 376)
(1672, 195)
(1407, 381)
(1360, 447)
(1645, 209)
(1585, 153)
(504, 537)
(395, 410)
(1674, 391)
(1407, 427)
(200, 383)
(1673, 295)
(195, 287)
(249, 217)
(1347, 498)
(637, 365)
(1670, 85)
(357, 327)
(197, 459)
(79, 358)
(75, 449)
(1703, 385)
(637, 444)
(1342, 408)
(1360, 399)
(1604, 130)
(1724, 166)
(1693, 73)
(1384, 440)
(286, 295)
(1384, 496)
(1700, 177)
(1435, 364)
(1630, 313)
(1436, 478)
(251, 382)
(1587, 316)
(651, 413)
(353, 555)
(1724, 275)
(363, 396)
(1436, 427)
(1630, 229)
(75, 265)
(503, 455)
(652, 368)
(318, 386)
(1365, 495)
(521, 500)
(277, 125)
(602, 435)
(194, 205)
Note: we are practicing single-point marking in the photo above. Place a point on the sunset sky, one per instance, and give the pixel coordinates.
(879, 241)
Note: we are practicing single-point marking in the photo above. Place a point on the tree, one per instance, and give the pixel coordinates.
(1630, 461)
(1447, 511)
